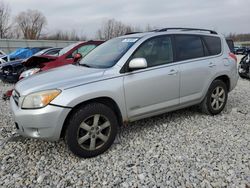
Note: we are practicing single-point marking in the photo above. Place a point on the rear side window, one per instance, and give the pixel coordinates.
(188, 47)
(213, 44)
(230, 44)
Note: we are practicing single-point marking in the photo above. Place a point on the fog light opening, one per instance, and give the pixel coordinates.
(17, 127)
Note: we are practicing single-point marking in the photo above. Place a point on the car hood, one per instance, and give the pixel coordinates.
(12, 63)
(58, 78)
(37, 60)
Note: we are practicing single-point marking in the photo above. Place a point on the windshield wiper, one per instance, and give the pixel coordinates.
(84, 65)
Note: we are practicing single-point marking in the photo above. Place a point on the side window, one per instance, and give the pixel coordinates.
(52, 52)
(84, 50)
(213, 44)
(157, 51)
(188, 47)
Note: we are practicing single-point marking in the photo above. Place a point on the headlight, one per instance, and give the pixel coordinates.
(28, 73)
(40, 99)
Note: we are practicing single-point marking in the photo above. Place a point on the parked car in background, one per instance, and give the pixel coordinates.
(2, 53)
(244, 66)
(67, 55)
(125, 79)
(24, 53)
(241, 50)
(10, 71)
(2, 57)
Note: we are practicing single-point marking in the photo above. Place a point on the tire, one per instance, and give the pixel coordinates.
(210, 105)
(88, 133)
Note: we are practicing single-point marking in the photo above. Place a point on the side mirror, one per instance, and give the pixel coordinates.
(138, 63)
(77, 57)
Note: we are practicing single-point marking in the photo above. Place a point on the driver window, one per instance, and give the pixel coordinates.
(83, 50)
(156, 51)
(72, 55)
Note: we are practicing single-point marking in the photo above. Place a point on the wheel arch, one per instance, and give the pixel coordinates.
(225, 79)
(103, 100)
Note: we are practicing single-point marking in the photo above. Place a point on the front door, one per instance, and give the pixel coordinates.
(153, 89)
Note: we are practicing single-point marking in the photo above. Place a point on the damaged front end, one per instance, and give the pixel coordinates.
(10, 73)
(244, 67)
(38, 61)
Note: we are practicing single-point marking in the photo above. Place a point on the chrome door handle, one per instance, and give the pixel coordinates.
(211, 65)
(173, 72)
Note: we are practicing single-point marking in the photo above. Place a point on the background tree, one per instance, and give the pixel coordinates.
(66, 35)
(31, 23)
(112, 28)
(5, 25)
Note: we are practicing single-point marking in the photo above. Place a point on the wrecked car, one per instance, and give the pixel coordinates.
(244, 67)
(10, 71)
(67, 55)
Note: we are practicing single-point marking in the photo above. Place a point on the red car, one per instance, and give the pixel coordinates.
(67, 55)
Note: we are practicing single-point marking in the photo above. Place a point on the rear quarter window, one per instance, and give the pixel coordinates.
(230, 44)
(213, 44)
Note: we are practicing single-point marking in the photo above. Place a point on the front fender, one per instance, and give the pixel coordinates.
(111, 88)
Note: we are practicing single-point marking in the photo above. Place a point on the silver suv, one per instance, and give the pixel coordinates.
(125, 79)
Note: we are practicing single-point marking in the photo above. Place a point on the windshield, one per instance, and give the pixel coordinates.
(67, 48)
(107, 54)
(40, 52)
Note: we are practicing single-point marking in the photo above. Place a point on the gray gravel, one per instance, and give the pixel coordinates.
(180, 149)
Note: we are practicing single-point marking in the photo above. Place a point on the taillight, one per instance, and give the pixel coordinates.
(232, 55)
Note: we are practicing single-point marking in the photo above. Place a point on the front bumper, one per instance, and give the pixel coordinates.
(45, 123)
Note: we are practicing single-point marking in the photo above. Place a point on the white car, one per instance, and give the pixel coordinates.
(2, 55)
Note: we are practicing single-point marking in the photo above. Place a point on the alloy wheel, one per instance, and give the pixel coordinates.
(94, 132)
(218, 98)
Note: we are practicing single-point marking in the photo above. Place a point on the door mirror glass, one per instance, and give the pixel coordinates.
(138, 63)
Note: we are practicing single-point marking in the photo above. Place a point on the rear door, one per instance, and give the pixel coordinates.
(153, 89)
(195, 66)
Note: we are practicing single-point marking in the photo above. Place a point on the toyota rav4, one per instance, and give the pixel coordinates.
(125, 79)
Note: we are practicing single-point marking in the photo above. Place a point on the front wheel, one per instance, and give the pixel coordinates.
(91, 130)
(216, 98)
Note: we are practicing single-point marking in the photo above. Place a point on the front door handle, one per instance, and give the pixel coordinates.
(173, 72)
(211, 65)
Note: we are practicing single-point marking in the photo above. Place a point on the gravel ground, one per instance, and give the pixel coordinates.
(179, 149)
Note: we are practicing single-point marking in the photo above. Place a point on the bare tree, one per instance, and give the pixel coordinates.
(112, 28)
(5, 25)
(65, 35)
(31, 23)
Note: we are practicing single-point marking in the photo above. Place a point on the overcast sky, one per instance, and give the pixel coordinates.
(86, 16)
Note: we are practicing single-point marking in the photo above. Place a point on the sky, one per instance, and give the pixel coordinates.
(86, 17)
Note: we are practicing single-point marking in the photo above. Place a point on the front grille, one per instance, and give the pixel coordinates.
(16, 97)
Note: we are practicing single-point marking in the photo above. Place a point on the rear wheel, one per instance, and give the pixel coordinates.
(91, 130)
(215, 99)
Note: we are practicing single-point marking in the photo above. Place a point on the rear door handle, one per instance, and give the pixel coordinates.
(211, 65)
(173, 72)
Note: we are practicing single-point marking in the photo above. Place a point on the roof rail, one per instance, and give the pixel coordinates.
(130, 33)
(185, 29)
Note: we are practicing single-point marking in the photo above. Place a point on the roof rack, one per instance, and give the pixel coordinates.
(185, 29)
(130, 33)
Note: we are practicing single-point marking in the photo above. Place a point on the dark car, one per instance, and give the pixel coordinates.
(67, 55)
(10, 71)
(244, 67)
(241, 50)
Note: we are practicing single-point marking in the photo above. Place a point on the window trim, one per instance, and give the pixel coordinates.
(125, 68)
